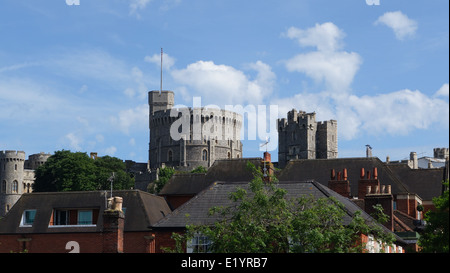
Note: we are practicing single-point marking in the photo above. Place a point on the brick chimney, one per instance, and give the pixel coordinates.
(113, 225)
(367, 179)
(339, 183)
(267, 167)
(376, 195)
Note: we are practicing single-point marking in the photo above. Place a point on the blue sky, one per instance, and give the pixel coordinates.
(76, 77)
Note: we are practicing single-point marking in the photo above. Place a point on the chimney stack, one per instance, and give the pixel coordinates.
(113, 225)
(366, 180)
(267, 167)
(376, 195)
(340, 184)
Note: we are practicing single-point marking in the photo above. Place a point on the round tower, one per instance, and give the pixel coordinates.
(211, 134)
(11, 179)
(36, 160)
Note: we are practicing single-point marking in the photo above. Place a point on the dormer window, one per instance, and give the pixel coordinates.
(28, 218)
(74, 217)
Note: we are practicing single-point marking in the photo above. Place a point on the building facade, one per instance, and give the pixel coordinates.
(301, 137)
(207, 134)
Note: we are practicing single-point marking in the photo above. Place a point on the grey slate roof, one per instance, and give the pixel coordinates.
(319, 170)
(142, 210)
(196, 210)
(427, 183)
(230, 170)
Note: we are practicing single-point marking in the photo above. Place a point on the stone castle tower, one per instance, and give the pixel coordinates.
(301, 137)
(16, 176)
(214, 134)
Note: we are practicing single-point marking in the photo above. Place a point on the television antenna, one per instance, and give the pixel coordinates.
(262, 145)
(111, 179)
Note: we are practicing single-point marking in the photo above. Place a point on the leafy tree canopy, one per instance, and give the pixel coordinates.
(76, 171)
(435, 238)
(264, 220)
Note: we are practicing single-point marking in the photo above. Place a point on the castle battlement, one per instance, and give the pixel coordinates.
(11, 154)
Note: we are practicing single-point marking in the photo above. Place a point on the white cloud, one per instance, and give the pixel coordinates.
(136, 118)
(394, 113)
(110, 150)
(328, 64)
(136, 5)
(74, 141)
(402, 26)
(443, 91)
(326, 36)
(226, 84)
(168, 61)
(398, 113)
(336, 69)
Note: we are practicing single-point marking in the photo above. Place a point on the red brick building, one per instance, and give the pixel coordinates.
(62, 222)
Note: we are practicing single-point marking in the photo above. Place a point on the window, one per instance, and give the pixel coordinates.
(85, 217)
(4, 186)
(61, 217)
(15, 186)
(74, 217)
(28, 217)
(205, 155)
(169, 156)
(199, 244)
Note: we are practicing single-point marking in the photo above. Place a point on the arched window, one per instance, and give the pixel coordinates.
(4, 186)
(237, 156)
(15, 186)
(205, 155)
(229, 155)
(169, 156)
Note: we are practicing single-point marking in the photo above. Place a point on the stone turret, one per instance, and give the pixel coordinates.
(11, 178)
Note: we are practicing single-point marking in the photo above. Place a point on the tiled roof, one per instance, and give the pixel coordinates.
(142, 210)
(230, 170)
(319, 170)
(196, 210)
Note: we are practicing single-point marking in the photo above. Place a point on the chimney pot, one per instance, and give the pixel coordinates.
(388, 189)
(375, 189)
(339, 176)
(368, 175)
(368, 189)
(345, 174)
(333, 174)
(375, 173)
(383, 189)
(362, 173)
(267, 157)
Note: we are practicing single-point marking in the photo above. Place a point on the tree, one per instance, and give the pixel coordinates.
(435, 238)
(163, 176)
(76, 171)
(264, 220)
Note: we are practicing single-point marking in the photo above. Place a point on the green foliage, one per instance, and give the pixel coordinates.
(435, 238)
(265, 221)
(200, 169)
(164, 175)
(76, 171)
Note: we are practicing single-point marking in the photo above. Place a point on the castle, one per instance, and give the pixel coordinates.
(212, 134)
(17, 176)
(301, 137)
